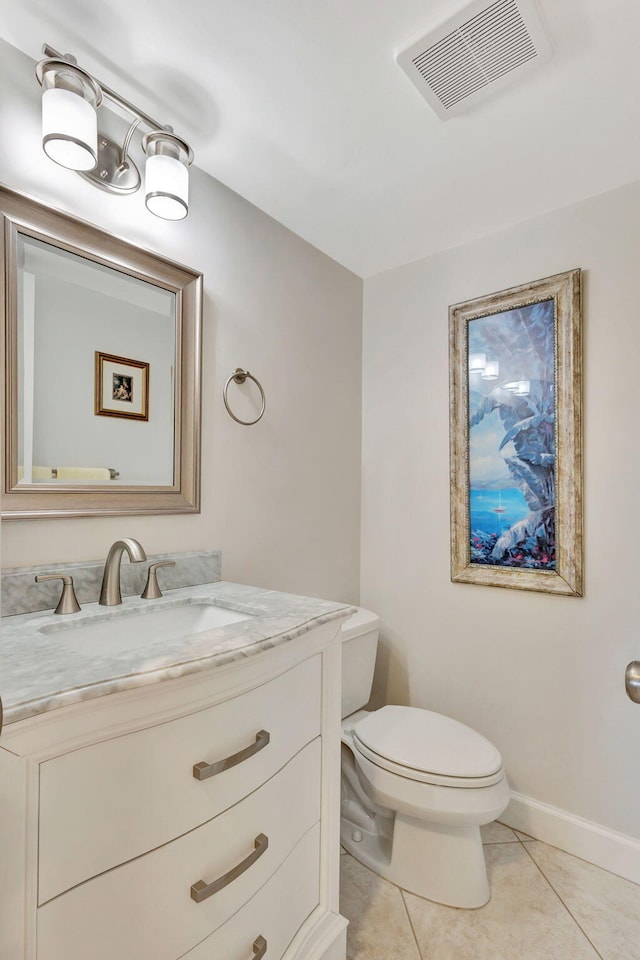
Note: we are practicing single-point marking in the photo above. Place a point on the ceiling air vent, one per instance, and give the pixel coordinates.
(482, 48)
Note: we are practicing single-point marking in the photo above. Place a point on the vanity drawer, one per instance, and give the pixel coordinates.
(276, 913)
(144, 910)
(107, 803)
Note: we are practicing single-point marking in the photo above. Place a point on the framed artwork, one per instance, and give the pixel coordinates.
(121, 387)
(516, 437)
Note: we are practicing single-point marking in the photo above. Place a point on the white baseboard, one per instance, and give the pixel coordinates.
(606, 848)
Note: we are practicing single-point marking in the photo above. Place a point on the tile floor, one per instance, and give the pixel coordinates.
(545, 905)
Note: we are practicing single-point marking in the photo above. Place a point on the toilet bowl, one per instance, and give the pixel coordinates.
(416, 786)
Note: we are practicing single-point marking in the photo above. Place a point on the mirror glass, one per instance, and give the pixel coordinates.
(101, 351)
(96, 372)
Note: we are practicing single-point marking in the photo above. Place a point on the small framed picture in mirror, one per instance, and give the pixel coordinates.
(121, 387)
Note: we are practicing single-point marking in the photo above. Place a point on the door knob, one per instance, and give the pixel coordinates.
(632, 681)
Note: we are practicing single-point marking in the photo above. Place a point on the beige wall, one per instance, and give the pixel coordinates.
(541, 676)
(281, 499)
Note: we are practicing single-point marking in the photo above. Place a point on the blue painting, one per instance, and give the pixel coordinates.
(512, 427)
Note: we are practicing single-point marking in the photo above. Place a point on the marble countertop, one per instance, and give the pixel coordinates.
(41, 671)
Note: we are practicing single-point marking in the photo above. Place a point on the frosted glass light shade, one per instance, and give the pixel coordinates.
(520, 388)
(69, 129)
(491, 370)
(477, 362)
(166, 187)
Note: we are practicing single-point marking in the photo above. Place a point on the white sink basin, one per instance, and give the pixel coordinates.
(130, 629)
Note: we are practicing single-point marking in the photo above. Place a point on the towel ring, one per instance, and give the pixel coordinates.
(239, 376)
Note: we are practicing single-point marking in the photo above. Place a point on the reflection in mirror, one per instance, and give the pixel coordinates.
(102, 360)
(69, 309)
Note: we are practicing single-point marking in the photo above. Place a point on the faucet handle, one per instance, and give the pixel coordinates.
(152, 589)
(68, 602)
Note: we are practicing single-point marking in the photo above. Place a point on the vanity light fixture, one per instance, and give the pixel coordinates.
(72, 137)
(166, 175)
(70, 99)
(519, 388)
(491, 370)
(477, 362)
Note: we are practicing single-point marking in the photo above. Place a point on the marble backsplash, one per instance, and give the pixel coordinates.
(21, 594)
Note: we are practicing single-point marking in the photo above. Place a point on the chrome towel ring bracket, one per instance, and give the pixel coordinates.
(240, 376)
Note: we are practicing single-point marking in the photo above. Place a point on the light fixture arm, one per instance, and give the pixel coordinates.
(127, 140)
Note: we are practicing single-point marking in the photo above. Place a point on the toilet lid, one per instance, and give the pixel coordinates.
(429, 742)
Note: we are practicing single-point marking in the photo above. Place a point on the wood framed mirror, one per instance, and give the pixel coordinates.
(102, 370)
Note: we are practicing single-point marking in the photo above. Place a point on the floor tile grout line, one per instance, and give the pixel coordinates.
(495, 843)
(373, 872)
(546, 878)
(523, 843)
(575, 856)
(406, 910)
(401, 891)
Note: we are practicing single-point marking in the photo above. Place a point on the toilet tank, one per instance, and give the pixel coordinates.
(359, 646)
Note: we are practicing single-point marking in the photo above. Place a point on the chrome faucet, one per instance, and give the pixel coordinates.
(110, 595)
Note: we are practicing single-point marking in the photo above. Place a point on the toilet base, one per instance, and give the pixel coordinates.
(435, 861)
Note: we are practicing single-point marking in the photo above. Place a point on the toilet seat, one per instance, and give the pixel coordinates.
(427, 747)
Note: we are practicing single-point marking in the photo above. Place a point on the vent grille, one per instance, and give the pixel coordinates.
(483, 46)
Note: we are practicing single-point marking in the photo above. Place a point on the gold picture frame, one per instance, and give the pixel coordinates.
(121, 387)
(516, 437)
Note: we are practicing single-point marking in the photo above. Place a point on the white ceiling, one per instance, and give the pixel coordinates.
(299, 106)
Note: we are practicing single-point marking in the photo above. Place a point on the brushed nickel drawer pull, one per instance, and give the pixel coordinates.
(201, 891)
(203, 770)
(259, 948)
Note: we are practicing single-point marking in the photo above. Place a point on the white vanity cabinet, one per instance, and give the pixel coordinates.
(197, 817)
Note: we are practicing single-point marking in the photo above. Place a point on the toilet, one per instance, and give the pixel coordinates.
(416, 786)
